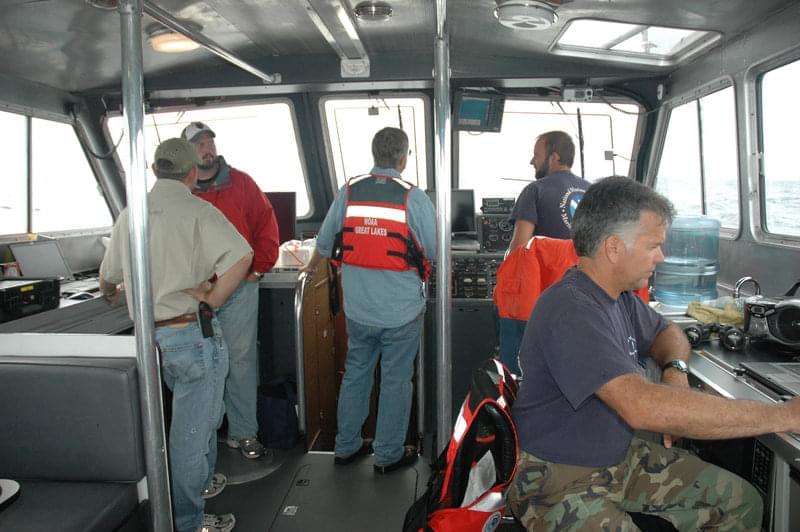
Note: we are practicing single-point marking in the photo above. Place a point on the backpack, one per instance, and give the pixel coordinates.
(465, 490)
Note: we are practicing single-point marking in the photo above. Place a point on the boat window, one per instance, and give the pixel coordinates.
(65, 192)
(13, 178)
(632, 43)
(352, 122)
(698, 169)
(498, 164)
(260, 140)
(780, 114)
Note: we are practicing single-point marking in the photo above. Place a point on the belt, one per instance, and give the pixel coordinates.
(177, 320)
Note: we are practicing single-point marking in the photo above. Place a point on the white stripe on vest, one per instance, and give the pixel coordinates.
(371, 211)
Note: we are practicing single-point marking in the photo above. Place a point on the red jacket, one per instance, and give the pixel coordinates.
(247, 208)
(529, 270)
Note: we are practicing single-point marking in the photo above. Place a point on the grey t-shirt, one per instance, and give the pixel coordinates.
(549, 203)
(577, 339)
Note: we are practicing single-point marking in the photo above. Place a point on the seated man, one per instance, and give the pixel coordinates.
(584, 394)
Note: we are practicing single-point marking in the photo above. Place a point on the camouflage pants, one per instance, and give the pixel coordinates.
(670, 483)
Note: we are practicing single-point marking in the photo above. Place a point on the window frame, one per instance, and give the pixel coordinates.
(29, 113)
(154, 108)
(611, 99)
(754, 76)
(659, 143)
(428, 128)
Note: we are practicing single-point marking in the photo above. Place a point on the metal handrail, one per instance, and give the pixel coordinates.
(299, 293)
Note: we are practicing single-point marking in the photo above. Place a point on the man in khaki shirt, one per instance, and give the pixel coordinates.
(190, 241)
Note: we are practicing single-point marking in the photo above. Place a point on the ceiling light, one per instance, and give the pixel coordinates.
(170, 42)
(373, 11)
(525, 14)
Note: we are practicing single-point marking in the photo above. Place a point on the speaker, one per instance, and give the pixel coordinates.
(494, 232)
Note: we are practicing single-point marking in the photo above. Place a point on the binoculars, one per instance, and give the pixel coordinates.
(731, 337)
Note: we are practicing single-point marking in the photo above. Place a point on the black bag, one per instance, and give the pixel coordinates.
(277, 414)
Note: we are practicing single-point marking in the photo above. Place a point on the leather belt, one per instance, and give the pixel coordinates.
(177, 320)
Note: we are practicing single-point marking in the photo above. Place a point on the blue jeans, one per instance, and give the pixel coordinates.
(194, 369)
(398, 348)
(511, 332)
(238, 318)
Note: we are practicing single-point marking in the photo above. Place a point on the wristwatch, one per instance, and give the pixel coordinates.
(258, 274)
(678, 364)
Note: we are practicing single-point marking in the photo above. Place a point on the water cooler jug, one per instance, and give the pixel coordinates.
(691, 262)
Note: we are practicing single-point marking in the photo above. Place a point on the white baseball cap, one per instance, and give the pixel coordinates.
(193, 130)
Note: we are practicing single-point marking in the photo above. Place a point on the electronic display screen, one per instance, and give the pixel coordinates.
(462, 210)
(478, 111)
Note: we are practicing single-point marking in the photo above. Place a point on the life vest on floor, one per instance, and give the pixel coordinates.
(528, 270)
(375, 232)
(465, 491)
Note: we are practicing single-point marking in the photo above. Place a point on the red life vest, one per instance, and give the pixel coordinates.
(375, 232)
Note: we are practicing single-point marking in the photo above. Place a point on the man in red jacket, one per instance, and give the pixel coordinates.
(243, 203)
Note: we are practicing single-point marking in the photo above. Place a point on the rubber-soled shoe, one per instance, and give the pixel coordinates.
(215, 487)
(217, 523)
(409, 458)
(364, 450)
(250, 447)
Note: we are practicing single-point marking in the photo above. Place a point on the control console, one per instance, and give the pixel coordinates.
(474, 275)
(494, 232)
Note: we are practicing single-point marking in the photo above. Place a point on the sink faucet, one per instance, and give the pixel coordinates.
(738, 286)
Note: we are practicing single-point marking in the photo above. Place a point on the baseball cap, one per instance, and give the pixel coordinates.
(194, 129)
(175, 157)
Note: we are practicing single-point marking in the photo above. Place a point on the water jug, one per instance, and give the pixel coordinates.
(691, 262)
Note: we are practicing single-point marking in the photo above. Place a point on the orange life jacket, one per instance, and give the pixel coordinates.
(529, 270)
(375, 232)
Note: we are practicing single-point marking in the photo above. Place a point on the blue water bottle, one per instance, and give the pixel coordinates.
(691, 262)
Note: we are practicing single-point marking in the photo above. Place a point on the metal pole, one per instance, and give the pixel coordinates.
(299, 344)
(155, 447)
(174, 24)
(441, 100)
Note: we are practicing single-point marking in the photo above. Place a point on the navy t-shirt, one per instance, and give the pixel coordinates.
(578, 338)
(549, 203)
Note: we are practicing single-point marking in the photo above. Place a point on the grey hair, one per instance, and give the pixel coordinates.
(613, 206)
(389, 146)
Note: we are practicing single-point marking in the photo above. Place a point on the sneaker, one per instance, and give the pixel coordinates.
(250, 447)
(217, 523)
(215, 487)
(409, 458)
(364, 450)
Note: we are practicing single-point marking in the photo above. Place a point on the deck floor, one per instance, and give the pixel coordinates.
(307, 492)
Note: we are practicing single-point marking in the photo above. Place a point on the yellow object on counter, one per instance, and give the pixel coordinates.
(729, 314)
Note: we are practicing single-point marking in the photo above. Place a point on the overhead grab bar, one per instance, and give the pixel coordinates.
(174, 24)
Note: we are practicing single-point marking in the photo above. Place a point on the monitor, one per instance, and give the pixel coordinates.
(478, 111)
(284, 206)
(39, 259)
(462, 210)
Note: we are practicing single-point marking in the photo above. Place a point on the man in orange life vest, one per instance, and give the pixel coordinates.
(383, 231)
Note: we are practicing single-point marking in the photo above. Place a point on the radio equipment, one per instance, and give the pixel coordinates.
(773, 318)
(497, 205)
(494, 232)
(474, 275)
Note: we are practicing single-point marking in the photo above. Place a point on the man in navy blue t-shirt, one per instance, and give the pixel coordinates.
(584, 393)
(546, 208)
(547, 205)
